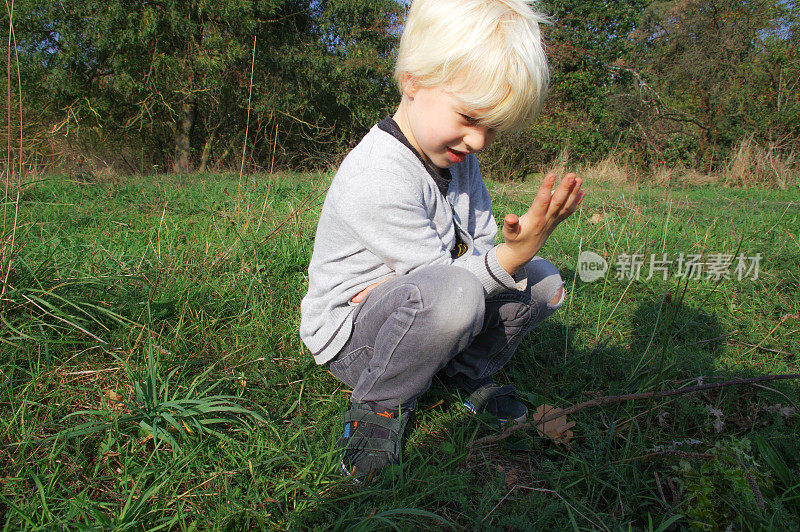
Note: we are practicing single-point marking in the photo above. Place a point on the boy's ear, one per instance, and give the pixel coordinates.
(409, 84)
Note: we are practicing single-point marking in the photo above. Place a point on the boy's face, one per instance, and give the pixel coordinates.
(438, 125)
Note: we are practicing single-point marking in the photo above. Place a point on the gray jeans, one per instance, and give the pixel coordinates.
(409, 328)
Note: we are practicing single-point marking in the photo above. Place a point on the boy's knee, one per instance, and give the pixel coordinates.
(558, 298)
(459, 296)
(545, 283)
(455, 301)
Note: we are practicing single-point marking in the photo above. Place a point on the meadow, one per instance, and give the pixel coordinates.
(152, 377)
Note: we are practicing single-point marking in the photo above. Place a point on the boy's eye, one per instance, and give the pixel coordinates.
(469, 119)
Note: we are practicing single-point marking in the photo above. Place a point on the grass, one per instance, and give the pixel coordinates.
(153, 378)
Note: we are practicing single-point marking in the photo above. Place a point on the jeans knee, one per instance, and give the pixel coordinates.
(457, 304)
(546, 284)
(558, 298)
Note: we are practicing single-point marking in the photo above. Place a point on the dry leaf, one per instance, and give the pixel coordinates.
(115, 400)
(785, 411)
(718, 415)
(161, 350)
(268, 500)
(596, 218)
(556, 429)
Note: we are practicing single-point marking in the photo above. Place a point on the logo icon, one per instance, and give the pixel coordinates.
(591, 266)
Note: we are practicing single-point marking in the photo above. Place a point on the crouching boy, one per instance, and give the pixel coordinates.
(406, 281)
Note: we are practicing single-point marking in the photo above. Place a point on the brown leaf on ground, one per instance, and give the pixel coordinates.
(115, 401)
(596, 218)
(556, 429)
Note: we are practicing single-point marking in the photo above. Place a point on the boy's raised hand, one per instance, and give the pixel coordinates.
(525, 235)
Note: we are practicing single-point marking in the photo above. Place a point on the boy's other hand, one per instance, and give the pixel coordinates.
(361, 295)
(525, 235)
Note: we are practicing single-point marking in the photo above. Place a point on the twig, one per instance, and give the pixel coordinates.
(612, 399)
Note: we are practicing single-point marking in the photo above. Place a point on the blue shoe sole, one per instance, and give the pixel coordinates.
(347, 473)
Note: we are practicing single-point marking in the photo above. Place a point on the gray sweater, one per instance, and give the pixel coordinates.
(385, 216)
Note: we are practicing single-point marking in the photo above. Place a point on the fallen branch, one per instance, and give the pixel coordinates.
(612, 399)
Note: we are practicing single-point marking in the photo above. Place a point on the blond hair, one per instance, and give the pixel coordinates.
(487, 53)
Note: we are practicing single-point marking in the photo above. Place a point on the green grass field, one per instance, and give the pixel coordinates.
(152, 375)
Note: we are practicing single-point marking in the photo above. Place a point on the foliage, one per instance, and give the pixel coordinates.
(677, 82)
(708, 488)
(173, 80)
(703, 64)
(138, 85)
(163, 411)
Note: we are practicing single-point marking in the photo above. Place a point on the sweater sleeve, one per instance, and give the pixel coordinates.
(388, 216)
(485, 224)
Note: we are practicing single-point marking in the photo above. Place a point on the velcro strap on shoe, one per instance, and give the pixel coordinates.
(369, 444)
(363, 416)
(482, 395)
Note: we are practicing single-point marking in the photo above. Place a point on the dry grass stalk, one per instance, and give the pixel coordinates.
(693, 177)
(663, 176)
(106, 175)
(559, 165)
(9, 238)
(755, 165)
(750, 165)
(614, 169)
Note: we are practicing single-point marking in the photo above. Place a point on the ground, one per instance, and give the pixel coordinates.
(152, 372)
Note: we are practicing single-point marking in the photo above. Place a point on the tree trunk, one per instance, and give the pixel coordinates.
(206, 153)
(183, 130)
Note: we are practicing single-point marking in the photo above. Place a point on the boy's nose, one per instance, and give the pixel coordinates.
(479, 138)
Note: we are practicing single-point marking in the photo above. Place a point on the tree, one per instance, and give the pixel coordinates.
(584, 42)
(177, 74)
(696, 64)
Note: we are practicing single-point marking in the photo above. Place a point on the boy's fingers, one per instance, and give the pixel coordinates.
(574, 198)
(562, 194)
(510, 226)
(361, 295)
(573, 203)
(542, 200)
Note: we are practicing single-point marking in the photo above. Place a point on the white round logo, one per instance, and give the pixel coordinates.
(591, 266)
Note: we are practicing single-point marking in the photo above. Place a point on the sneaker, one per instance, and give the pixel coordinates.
(488, 397)
(372, 440)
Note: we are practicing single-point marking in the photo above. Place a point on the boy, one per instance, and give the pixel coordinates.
(405, 281)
